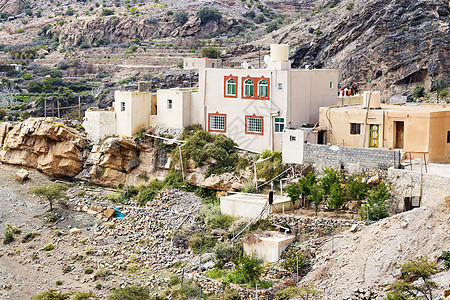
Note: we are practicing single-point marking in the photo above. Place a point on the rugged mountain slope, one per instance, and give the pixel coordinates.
(397, 44)
(11, 6)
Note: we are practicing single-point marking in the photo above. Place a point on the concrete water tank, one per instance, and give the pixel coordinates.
(279, 52)
(375, 101)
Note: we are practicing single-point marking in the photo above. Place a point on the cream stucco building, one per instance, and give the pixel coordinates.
(415, 129)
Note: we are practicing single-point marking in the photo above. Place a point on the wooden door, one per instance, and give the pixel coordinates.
(399, 134)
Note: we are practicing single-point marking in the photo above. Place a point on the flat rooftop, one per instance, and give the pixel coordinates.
(256, 198)
(408, 107)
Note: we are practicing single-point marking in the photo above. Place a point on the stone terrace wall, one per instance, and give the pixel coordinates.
(406, 183)
(353, 159)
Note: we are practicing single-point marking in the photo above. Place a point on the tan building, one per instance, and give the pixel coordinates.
(415, 129)
(100, 123)
(191, 63)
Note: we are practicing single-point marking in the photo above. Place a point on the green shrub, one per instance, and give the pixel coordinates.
(181, 17)
(130, 293)
(356, 189)
(336, 198)
(272, 26)
(221, 222)
(58, 282)
(28, 237)
(149, 192)
(49, 247)
(84, 296)
(318, 32)
(223, 254)
(419, 91)
(210, 52)
(376, 200)
(208, 196)
(206, 243)
(101, 273)
(51, 295)
(107, 12)
(189, 290)
(9, 237)
(287, 293)
(251, 268)
(174, 280)
(249, 187)
(270, 168)
(290, 260)
(67, 269)
(262, 224)
(330, 178)
(350, 6)
(88, 271)
(446, 257)
(410, 288)
(208, 14)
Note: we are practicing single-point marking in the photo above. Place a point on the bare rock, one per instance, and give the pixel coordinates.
(22, 174)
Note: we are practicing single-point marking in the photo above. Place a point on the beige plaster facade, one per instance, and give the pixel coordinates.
(256, 123)
(100, 124)
(190, 63)
(267, 246)
(133, 110)
(174, 108)
(415, 129)
(294, 141)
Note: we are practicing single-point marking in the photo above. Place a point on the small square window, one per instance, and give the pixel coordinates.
(217, 122)
(169, 103)
(254, 125)
(278, 124)
(122, 106)
(292, 138)
(355, 128)
(280, 85)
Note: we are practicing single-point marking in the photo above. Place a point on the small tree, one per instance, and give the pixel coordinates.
(306, 184)
(356, 189)
(376, 203)
(331, 177)
(251, 268)
(210, 52)
(418, 91)
(181, 17)
(411, 270)
(316, 197)
(293, 192)
(290, 260)
(50, 192)
(208, 14)
(336, 197)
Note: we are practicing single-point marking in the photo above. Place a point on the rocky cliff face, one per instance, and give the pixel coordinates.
(395, 45)
(12, 7)
(125, 29)
(53, 149)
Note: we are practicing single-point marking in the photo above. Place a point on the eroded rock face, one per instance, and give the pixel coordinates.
(120, 161)
(51, 148)
(12, 7)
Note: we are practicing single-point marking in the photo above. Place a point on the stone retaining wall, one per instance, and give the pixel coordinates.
(352, 158)
(406, 183)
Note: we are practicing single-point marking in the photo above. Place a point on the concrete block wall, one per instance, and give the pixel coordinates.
(352, 158)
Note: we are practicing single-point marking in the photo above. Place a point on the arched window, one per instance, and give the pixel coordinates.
(231, 87)
(248, 87)
(263, 88)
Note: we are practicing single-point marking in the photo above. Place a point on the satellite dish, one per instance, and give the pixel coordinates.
(244, 65)
(267, 59)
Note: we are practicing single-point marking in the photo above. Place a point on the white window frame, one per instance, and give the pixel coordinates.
(217, 122)
(252, 125)
(228, 85)
(278, 125)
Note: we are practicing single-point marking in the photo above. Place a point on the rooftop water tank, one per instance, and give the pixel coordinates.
(279, 52)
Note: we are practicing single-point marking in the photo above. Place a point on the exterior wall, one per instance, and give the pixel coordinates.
(406, 183)
(353, 159)
(339, 128)
(190, 63)
(269, 249)
(136, 113)
(293, 150)
(179, 115)
(439, 148)
(100, 124)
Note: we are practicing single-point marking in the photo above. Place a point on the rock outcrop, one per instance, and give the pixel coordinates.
(391, 46)
(51, 148)
(12, 7)
(120, 161)
(125, 29)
